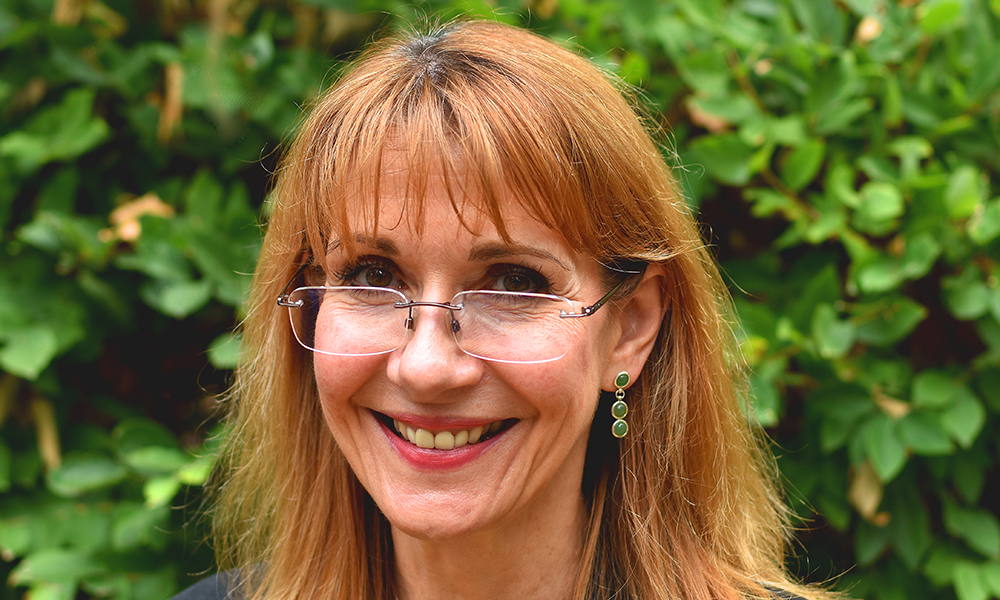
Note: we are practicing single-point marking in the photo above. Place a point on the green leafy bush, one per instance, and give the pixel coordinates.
(841, 153)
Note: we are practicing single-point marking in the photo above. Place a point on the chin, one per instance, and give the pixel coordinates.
(437, 517)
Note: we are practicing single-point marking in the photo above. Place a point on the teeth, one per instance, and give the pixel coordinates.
(424, 439)
(445, 440)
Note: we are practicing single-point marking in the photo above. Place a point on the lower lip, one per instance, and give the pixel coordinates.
(437, 460)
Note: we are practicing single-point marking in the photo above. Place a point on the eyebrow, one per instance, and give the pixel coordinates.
(494, 251)
(380, 243)
(480, 253)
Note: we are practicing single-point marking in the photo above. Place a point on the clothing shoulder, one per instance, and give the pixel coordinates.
(216, 587)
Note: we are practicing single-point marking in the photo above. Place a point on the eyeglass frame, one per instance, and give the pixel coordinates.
(586, 311)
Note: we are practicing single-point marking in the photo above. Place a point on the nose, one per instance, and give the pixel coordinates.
(430, 364)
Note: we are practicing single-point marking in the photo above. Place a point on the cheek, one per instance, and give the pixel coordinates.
(567, 389)
(338, 378)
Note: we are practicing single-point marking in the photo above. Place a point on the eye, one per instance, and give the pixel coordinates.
(514, 278)
(372, 272)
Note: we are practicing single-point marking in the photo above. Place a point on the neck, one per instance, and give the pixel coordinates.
(526, 557)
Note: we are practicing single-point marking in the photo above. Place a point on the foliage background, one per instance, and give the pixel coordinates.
(842, 153)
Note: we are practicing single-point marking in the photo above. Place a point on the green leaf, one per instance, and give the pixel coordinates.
(156, 585)
(59, 132)
(725, 157)
(137, 433)
(965, 419)
(222, 263)
(840, 185)
(911, 150)
(934, 16)
(978, 527)
(968, 582)
(840, 116)
(842, 407)
(892, 101)
(768, 202)
(156, 252)
(869, 542)
(881, 203)
(819, 284)
(159, 491)
(919, 256)
(967, 295)
(802, 164)
(883, 273)
(224, 351)
(887, 322)
(910, 526)
(883, 447)
(766, 400)
(177, 299)
(59, 193)
(984, 226)
(821, 19)
(935, 389)
(964, 192)
(940, 565)
(924, 434)
(203, 203)
(156, 459)
(197, 471)
(55, 564)
(84, 473)
(137, 525)
(48, 590)
(991, 576)
(834, 338)
(26, 352)
(969, 478)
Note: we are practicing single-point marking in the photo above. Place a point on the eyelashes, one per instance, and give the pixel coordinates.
(376, 271)
(516, 278)
(369, 271)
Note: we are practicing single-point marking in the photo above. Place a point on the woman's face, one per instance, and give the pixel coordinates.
(532, 421)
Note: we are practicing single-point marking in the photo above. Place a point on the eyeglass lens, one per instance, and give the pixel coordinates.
(498, 326)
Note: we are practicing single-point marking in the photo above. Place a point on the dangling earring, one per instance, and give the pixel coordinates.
(619, 409)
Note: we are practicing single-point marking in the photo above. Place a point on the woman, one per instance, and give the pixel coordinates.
(499, 362)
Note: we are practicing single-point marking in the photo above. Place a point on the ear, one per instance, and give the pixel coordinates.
(639, 321)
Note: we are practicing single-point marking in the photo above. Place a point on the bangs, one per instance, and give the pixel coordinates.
(495, 126)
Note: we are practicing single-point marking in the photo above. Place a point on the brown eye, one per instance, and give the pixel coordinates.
(516, 282)
(515, 278)
(378, 277)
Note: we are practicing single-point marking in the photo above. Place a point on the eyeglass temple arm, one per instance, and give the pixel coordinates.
(586, 311)
(283, 298)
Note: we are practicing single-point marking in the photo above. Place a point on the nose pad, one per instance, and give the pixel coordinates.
(410, 326)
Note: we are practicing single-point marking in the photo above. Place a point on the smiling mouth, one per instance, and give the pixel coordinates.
(446, 439)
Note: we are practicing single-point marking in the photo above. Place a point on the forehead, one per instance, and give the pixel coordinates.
(439, 200)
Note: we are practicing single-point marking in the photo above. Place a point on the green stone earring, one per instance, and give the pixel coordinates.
(619, 409)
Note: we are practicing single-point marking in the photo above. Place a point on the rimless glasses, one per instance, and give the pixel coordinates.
(501, 326)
